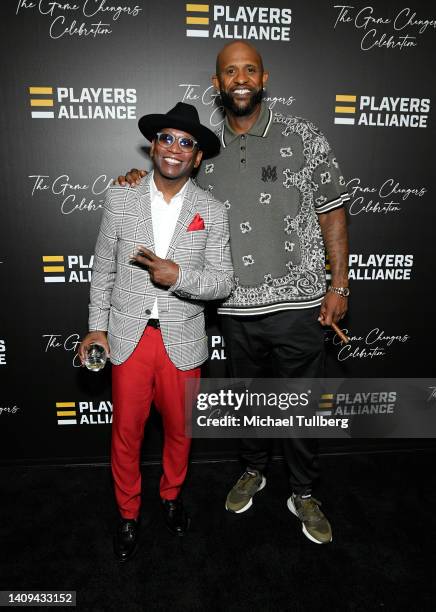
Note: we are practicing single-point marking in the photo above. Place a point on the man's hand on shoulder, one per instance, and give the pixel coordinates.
(131, 179)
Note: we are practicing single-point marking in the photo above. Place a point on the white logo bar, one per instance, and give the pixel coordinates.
(344, 121)
(67, 422)
(42, 114)
(54, 279)
(198, 33)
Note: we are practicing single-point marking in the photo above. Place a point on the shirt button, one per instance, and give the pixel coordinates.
(243, 137)
(242, 148)
(148, 312)
(243, 161)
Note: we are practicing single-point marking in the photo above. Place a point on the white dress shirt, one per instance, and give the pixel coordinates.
(164, 218)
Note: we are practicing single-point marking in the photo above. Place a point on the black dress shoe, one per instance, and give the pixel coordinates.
(126, 539)
(176, 517)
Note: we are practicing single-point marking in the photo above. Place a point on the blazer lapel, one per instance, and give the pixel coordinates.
(145, 229)
(185, 217)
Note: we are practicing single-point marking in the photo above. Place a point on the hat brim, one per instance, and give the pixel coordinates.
(208, 142)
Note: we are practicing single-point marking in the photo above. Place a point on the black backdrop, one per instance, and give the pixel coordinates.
(95, 68)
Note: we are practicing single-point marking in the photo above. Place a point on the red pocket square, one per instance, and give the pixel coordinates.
(197, 223)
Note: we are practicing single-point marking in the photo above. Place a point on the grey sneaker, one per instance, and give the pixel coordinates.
(240, 497)
(315, 525)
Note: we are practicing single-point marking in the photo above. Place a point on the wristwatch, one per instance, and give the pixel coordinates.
(344, 291)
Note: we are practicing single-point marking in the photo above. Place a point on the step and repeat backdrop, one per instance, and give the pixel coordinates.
(77, 77)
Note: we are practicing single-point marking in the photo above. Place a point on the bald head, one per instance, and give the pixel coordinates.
(236, 50)
(240, 79)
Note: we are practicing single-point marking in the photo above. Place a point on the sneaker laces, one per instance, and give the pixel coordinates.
(309, 509)
(247, 478)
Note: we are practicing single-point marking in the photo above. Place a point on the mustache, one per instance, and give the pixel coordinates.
(228, 102)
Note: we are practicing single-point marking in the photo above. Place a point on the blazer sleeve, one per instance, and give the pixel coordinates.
(104, 267)
(215, 280)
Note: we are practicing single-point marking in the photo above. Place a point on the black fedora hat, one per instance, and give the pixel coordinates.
(182, 117)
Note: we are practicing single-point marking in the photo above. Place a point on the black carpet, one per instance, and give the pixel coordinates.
(56, 533)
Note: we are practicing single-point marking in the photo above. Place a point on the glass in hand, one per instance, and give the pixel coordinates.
(95, 357)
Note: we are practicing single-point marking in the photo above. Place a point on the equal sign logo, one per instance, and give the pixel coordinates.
(52, 271)
(345, 110)
(41, 102)
(66, 413)
(326, 404)
(196, 20)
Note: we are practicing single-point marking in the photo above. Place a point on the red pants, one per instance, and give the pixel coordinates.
(148, 375)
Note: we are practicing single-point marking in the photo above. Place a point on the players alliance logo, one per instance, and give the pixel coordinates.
(48, 102)
(67, 268)
(238, 22)
(380, 266)
(84, 413)
(2, 352)
(362, 403)
(218, 348)
(269, 174)
(385, 111)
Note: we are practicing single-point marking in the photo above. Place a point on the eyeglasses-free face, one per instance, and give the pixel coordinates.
(166, 140)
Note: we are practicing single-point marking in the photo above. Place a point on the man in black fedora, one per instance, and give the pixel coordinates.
(163, 249)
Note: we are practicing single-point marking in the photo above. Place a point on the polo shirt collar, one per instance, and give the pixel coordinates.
(260, 128)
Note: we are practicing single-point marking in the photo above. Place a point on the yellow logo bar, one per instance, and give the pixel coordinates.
(40, 90)
(47, 258)
(345, 109)
(345, 98)
(66, 413)
(65, 404)
(41, 102)
(327, 396)
(197, 20)
(54, 268)
(326, 405)
(197, 8)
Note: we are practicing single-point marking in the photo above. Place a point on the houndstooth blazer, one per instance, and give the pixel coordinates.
(122, 294)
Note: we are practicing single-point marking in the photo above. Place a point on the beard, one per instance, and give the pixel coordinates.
(240, 111)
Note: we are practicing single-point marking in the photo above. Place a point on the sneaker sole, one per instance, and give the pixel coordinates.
(250, 501)
(292, 508)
